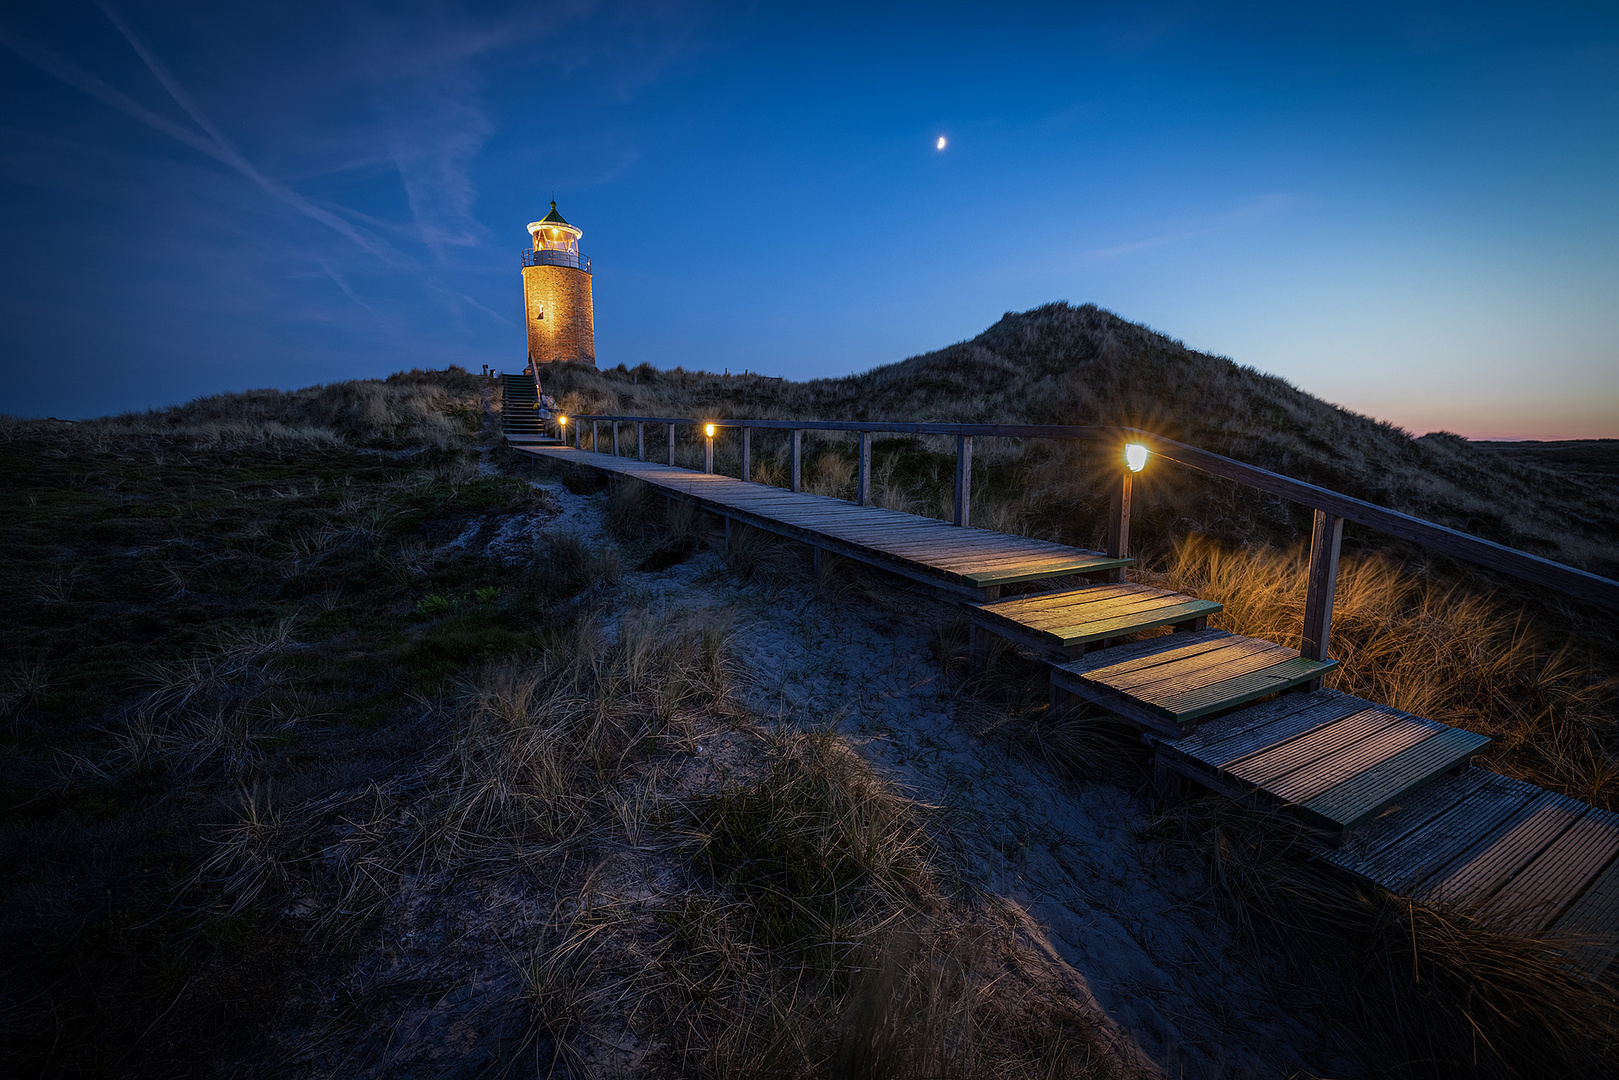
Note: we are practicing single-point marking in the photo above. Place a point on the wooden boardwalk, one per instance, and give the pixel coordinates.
(1391, 798)
(966, 562)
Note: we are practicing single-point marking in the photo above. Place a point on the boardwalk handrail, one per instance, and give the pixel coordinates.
(1331, 508)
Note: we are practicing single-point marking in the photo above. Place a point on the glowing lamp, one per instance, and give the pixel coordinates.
(709, 431)
(562, 420)
(1135, 456)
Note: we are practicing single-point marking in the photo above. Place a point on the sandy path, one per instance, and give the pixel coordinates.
(1124, 912)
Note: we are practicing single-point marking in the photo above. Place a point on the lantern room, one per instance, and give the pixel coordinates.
(553, 233)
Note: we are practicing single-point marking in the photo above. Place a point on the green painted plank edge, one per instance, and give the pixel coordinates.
(1078, 566)
(1255, 684)
(1120, 625)
(1363, 796)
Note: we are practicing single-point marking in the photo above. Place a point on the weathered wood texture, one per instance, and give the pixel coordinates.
(1503, 852)
(963, 562)
(1056, 622)
(1589, 587)
(1172, 682)
(1326, 539)
(1118, 518)
(964, 480)
(1334, 760)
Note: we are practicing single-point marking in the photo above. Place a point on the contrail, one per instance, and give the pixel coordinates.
(212, 143)
(228, 153)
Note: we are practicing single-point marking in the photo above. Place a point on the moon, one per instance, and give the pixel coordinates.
(940, 145)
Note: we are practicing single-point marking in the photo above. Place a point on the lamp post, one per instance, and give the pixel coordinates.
(708, 448)
(1118, 525)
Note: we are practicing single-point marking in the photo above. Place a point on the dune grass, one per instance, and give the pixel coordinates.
(295, 762)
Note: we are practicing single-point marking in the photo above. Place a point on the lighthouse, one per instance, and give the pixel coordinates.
(556, 294)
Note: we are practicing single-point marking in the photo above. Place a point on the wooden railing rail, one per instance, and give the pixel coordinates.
(1331, 508)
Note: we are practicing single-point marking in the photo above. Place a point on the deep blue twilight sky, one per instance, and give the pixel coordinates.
(1410, 210)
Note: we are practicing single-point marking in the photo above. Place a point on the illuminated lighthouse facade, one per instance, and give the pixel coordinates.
(556, 294)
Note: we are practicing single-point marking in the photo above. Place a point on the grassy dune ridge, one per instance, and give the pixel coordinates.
(1083, 365)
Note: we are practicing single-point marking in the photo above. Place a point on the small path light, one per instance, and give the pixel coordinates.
(1135, 456)
(708, 448)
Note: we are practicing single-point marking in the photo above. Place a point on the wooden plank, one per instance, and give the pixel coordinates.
(1535, 897)
(1191, 704)
(1277, 761)
(1590, 927)
(1237, 735)
(1075, 624)
(1077, 608)
(1130, 621)
(1350, 760)
(981, 558)
(991, 560)
(1169, 650)
(1059, 568)
(1413, 811)
(1115, 702)
(1482, 869)
(1420, 854)
(1364, 794)
(1118, 656)
(1019, 608)
(1236, 657)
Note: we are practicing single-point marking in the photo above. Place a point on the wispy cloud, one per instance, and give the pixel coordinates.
(209, 140)
(1266, 206)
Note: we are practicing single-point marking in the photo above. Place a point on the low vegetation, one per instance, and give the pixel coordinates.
(322, 747)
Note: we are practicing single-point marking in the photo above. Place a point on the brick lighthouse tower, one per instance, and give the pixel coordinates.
(556, 294)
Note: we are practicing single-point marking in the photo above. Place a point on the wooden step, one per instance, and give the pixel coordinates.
(1334, 760)
(1169, 683)
(1063, 624)
(1503, 852)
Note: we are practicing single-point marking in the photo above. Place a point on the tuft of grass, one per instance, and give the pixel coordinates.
(1416, 991)
(815, 845)
(756, 555)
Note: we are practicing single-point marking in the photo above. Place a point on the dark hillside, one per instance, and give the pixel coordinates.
(1082, 365)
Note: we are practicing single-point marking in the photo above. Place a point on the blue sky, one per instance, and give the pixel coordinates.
(1409, 210)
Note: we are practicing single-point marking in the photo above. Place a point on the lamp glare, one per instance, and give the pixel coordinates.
(1135, 456)
(563, 420)
(710, 431)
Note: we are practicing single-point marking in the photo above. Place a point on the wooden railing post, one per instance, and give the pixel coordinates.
(615, 438)
(594, 432)
(798, 459)
(640, 441)
(747, 453)
(964, 479)
(708, 453)
(1118, 523)
(1326, 537)
(863, 485)
(671, 443)
(578, 436)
